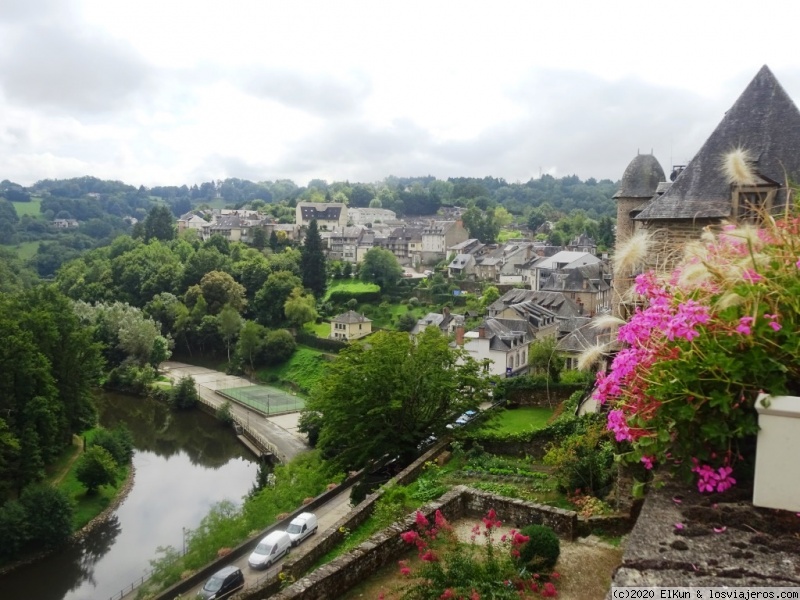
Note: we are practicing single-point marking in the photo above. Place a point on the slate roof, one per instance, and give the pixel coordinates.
(641, 178)
(763, 121)
(328, 213)
(573, 281)
(504, 334)
(461, 261)
(350, 316)
(581, 338)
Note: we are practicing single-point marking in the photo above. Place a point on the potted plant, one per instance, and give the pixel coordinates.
(706, 340)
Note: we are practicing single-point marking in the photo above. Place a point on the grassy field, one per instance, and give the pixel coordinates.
(29, 208)
(304, 369)
(27, 250)
(519, 419)
(387, 319)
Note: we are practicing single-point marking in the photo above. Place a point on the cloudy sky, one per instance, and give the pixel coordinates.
(162, 92)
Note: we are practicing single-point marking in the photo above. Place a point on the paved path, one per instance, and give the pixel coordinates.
(280, 430)
(327, 514)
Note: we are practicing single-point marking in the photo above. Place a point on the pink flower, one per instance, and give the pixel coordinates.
(751, 276)
(744, 325)
(409, 537)
(448, 593)
(429, 556)
(405, 571)
(549, 590)
(619, 425)
(440, 521)
(421, 521)
(678, 526)
(474, 595)
(648, 462)
(775, 326)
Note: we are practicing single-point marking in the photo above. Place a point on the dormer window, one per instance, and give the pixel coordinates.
(750, 201)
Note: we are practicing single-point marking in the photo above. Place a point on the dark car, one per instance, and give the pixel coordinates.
(222, 584)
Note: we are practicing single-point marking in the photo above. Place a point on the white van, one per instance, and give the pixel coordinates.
(270, 549)
(302, 526)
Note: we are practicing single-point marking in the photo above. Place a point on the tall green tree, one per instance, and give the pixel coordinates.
(380, 266)
(159, 224)
(385, 398)
(230, 323)
(300, 308)
(312, 262)
(271, 298)
(96, 467)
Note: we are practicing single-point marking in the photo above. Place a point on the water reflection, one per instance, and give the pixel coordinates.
(179, 475)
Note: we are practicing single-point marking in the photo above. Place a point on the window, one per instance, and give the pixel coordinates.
(751, 201)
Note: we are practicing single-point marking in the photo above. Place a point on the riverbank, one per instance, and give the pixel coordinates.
(85, 530)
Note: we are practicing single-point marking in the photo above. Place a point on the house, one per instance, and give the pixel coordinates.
(462, 265)
(350, 326)
(406, 244)
(582, 243)
(764, 123)
(502, 345)
(191, 221)
(236, 228)
(564, 309)
(438, 236)
(343, 244)
(65, 223)
(588, 285)
(540, 322)
(541, 269)
(369, 216)
(329, 215)
(446, 321)
(582, 337)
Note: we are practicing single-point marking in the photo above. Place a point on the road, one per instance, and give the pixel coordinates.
(280, 430)
(327, 514)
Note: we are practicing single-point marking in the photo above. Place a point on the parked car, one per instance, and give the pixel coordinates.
(302, 526)
(269, 550)
(222, 584)
(463, 419)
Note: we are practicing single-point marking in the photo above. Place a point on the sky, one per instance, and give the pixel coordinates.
(167, 92)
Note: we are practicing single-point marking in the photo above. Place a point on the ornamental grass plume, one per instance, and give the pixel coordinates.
(632, 253)
(708, 338)
(737, 166)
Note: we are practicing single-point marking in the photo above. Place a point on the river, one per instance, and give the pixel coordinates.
(184, 461)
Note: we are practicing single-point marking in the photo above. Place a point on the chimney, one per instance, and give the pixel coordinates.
(460, 335)
(482, 332)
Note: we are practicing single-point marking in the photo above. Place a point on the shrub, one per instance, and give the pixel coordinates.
(224, 413)
(118, 443)
(184, 395)
(540, 553)
(584, 461)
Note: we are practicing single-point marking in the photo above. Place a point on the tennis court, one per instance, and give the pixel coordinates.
(265, 399)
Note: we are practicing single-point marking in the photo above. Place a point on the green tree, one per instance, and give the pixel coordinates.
(251, 339)
(300, 308)
(230, 323)
(544, 359)
(406, 322)
(159, 224)
(184, 395)
(312, 262)
(385, 398)
(96, 467)
(490, 295)
(271, 298)
(49, 515)
(13, 529)
(278, 347)
(380, 266)
(219, 289)
(260, 238)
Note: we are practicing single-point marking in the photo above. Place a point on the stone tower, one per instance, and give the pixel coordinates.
(639, 184)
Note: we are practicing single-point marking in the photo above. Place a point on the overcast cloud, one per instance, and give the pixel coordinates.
(169, 91)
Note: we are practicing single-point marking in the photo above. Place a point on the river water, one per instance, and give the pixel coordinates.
(184, 461)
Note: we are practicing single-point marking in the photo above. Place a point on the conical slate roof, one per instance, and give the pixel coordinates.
(765, 122)
(641, 178)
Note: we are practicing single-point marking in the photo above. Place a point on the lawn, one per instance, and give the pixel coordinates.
(353, 286)
(27, 250)
(29, 208)
(520, 419)
(387, 319)
(304, 369)
(321, 330)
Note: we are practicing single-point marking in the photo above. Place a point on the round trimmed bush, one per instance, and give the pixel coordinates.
(541, 552)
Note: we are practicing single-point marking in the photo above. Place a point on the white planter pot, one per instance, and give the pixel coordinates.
(777, 477)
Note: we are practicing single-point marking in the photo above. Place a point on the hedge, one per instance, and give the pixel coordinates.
(324, 344)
